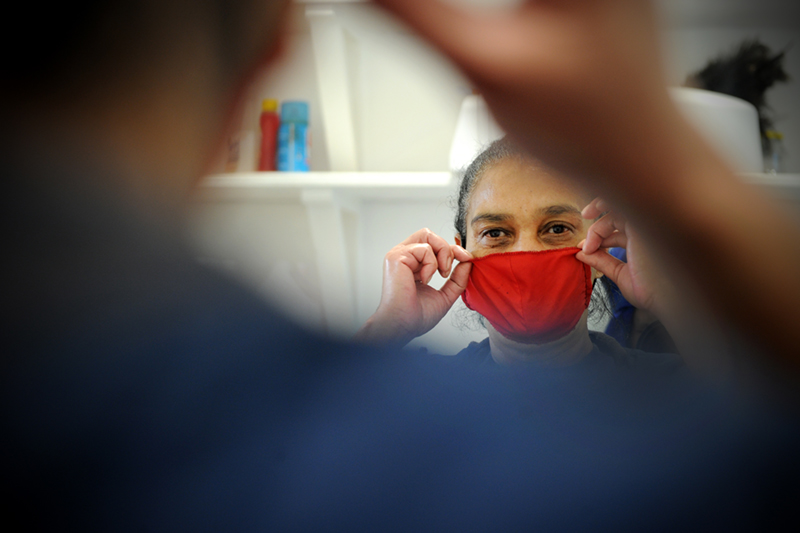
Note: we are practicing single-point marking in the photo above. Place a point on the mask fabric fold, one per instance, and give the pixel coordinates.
(530, 297)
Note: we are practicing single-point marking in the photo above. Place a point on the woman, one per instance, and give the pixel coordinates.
(519, 232)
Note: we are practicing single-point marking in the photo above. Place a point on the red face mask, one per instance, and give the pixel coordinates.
(530, 297)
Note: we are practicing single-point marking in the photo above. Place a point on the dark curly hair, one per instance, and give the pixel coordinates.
(500, 150)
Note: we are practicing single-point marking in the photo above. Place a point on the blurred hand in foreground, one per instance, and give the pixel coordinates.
(570, 80)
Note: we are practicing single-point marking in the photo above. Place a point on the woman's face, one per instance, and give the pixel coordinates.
(517, 207)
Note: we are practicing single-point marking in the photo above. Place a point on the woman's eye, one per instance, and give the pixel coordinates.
(494, 236)
(558, 229)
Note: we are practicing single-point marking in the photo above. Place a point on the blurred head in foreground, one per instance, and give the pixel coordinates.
(149, 86)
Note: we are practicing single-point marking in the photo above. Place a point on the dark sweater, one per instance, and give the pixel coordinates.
(144, 392)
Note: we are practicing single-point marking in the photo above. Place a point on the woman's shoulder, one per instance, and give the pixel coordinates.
(606, 350)
(477, 356)
(476, 353)
(607, 346)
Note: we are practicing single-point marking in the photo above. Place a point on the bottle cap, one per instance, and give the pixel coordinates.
(294, 111)
(269, 104)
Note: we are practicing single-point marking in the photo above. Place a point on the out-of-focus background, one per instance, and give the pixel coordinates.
(384, 111)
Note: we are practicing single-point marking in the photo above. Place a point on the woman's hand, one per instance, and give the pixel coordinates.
(409, 306)
(638, 280)
(643, 283)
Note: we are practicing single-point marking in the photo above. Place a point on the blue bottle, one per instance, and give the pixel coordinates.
(294, 138)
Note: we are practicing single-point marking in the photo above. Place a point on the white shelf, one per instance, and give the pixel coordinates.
(355, 184)
(786, 186)
(774, 180)
(330, 179)
(375, 183)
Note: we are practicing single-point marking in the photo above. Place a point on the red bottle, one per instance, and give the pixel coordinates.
(270, 121)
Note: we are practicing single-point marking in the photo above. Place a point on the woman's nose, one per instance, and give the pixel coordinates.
(528, 242)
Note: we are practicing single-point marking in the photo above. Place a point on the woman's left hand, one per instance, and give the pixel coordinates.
(638, 279)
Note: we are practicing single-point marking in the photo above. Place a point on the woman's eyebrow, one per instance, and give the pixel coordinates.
(490, 217)
(561, 209)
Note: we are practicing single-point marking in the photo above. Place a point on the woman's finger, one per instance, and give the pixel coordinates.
(600, 231)
(441, 248)
(618, 239)
(416, 259)
(460, 253)
(457, 283)
(603, 262)
(421, 260)
(595, 208)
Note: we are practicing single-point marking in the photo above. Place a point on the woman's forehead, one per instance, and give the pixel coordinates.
(519, 185)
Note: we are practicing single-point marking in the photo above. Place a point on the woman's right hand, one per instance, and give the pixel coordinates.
(409, 306)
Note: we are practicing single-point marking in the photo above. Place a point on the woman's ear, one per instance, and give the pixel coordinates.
(458, 241)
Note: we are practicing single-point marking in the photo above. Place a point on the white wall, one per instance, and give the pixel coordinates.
(267, 244)
(405, 96)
